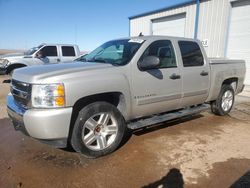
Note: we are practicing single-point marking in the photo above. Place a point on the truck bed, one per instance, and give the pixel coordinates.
(222, 69)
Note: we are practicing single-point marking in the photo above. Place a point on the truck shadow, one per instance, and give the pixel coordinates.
(6, 81)
(156, 127)
(173, 179)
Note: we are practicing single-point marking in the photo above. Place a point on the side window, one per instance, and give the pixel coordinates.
(163, 49)
(48, 51)
(191, 54)
(68, 51)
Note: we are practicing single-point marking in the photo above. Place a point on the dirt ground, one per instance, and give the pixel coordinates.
(199, 151)
(5, 51)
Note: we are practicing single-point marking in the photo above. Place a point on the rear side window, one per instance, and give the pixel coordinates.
(68, 51)
(162, 49)
(191, 54)
(48, 51)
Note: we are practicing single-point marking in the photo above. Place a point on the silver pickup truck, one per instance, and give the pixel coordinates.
(123, 85)
(40, 55)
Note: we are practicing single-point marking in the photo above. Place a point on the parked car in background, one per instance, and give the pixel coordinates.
(42, 54)
(124, 84)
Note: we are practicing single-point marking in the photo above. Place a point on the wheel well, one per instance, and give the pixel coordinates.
(115, 98)
(14, 66)
(231, 81)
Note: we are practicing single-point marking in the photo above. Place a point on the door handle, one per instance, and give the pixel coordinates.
(204, 73)
(175, 76)
(58, 60)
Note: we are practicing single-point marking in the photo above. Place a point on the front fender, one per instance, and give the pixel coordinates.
(77, 89)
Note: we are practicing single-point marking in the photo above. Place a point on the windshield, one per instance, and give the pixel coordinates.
(32, 50)
(117, 52)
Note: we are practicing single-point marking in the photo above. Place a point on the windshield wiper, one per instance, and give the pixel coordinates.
(101, 61)
(98, 60)
(82, 60)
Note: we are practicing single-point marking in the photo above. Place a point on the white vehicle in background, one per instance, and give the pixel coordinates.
(54, 53)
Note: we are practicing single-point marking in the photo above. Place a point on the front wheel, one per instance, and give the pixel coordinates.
(224, 103)
(99, 129)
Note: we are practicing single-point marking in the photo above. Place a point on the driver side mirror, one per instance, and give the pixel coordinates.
(149, 62)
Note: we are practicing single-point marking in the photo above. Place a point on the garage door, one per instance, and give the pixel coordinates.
(239, 34)
(171, 26)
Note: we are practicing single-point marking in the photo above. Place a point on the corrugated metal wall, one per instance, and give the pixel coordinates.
(143, 24)
(213, 23)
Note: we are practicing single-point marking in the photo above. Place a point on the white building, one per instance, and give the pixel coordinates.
(222, 25)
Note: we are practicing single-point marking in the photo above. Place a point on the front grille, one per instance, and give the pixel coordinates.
(21, 92)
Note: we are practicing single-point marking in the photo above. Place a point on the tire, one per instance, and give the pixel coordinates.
(225, 101)
(98, 130)
(11, 72)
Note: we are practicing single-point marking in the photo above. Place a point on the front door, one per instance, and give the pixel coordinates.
(157, 90)
(50, 54)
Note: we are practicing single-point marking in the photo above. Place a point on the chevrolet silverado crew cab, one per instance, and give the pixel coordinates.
(122, 85)
(42, 54)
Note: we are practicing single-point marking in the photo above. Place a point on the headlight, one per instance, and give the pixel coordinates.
(4, 62)
(48, 96)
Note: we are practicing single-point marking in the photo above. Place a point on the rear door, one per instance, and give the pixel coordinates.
(68, 53)
(195, 74)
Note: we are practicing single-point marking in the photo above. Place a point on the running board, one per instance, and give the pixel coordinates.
(167, 116)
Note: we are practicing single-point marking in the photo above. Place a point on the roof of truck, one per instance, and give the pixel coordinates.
(158, 37)
(54, 44)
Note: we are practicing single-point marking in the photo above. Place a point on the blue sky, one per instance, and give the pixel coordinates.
(89, 23)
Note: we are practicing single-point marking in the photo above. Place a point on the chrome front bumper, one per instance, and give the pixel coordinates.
(16, 115)
(48, 125)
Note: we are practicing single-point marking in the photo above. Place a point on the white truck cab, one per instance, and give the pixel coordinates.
(43, 54)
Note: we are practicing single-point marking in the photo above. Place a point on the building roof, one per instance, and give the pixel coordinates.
(164, 9)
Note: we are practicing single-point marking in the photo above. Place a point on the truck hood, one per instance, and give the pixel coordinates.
(17, 58)
(35, 74)
(13, 55)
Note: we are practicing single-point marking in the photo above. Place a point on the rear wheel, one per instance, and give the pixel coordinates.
(98, 130)
(224, 103)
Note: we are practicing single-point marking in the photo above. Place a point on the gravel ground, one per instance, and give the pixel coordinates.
(199, 151)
